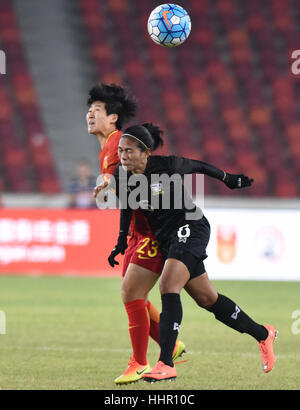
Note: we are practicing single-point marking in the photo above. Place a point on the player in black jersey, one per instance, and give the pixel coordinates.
(183, 233)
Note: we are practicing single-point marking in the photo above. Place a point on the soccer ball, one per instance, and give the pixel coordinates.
(169, 25)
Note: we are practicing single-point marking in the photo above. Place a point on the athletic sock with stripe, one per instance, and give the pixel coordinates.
(169, 325)
(233, 316)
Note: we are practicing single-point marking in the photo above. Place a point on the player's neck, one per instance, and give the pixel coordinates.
(102, 139)
(140, 169)
(103, 136)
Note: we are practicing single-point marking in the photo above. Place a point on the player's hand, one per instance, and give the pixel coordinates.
(100, 188)
(238, 181)
(119, 248)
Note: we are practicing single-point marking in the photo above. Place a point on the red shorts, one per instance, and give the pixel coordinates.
(143, 251)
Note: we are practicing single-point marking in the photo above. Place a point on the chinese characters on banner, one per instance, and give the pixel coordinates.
(253, 244)
(57, 241)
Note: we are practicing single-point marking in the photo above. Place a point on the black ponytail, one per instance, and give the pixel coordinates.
(146, 135)
(156, 134)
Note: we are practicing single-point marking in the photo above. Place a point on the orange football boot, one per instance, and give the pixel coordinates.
(159, 373)
(266, 349)
(133, 373)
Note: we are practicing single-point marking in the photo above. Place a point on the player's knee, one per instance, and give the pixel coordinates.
(163, 289)
(166, 287)
(206, 301)
(129, 293)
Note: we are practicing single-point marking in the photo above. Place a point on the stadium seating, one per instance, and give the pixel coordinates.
(226, 96)
(20, 120)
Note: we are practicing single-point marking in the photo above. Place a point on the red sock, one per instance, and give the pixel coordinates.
(154, 321)
(138, 329)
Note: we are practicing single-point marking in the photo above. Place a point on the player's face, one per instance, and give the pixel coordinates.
(98, 121)
(131, 156)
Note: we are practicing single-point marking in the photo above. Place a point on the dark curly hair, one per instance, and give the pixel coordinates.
(117, 99)
(149, 136)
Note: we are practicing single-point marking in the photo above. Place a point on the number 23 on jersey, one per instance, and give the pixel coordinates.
(149, 249)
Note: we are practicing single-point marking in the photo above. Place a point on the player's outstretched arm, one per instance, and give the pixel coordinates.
(191, 166)
(236, 181)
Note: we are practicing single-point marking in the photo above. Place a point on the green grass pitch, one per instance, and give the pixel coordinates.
(71, 333)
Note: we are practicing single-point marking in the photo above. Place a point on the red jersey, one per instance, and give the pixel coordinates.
(108, 159)
(108, 156)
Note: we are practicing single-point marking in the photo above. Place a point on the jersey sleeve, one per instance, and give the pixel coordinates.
(125, 219)
(112, 162)
(109, 157)
(183, 166)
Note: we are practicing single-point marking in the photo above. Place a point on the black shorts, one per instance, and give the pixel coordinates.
(188, 245)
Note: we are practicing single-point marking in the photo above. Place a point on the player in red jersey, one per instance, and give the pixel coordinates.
(110, 106)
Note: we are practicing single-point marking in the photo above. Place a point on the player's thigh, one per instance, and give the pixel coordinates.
(174, 276)
(132, 243)
(202, 290)
(137, 282)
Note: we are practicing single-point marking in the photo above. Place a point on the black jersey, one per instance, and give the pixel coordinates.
(160, 193)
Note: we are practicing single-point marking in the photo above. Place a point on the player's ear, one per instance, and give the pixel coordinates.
(114, 118)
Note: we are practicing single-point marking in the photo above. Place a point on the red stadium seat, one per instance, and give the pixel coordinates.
(18, 107)
(227, 94)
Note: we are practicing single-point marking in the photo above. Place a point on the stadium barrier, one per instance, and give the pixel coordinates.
(256, 243)
(253, 244)
(54, 242)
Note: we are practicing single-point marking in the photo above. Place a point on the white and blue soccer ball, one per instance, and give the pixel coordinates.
(169, 25)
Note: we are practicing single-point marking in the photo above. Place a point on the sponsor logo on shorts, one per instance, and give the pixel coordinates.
(183, 233)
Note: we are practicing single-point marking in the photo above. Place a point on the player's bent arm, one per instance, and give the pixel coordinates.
(125, 219)
(107, 184)
(103, 186)
(191, 166)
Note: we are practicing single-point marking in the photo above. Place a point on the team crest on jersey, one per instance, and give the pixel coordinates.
(156, 188)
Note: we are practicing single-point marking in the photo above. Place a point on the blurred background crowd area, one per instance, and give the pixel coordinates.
(227, 96)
